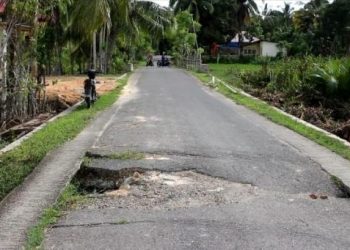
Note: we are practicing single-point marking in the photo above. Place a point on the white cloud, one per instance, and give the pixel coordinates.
(162, 2)
(272, 4)
(279, 4)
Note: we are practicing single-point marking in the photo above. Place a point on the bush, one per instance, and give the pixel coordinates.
(333, 79)
(119, 65)
(257, 79)
(309, 79)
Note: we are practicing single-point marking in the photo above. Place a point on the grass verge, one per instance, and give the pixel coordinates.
(17, 164)
(67, 200)
(269, 112)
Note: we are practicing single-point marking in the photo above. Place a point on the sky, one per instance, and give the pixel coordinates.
(273, 4)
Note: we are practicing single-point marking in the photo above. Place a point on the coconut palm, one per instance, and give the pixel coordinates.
(246, 8)
(316, 5)
(195, 7)
(108, 18)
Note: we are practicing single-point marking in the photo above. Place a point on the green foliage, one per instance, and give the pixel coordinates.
(333, 78)
(320, 28)
(128, 155)
(25, 11)
(183, 36)
(118, 64)
(289, 75)
(310, 80)
(66, 39)
(258, 79)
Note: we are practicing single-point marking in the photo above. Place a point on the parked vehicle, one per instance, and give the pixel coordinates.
(164, 62)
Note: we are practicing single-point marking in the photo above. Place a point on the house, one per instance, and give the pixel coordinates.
(247, 45)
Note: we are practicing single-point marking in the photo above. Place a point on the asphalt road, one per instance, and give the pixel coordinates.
(167, 113)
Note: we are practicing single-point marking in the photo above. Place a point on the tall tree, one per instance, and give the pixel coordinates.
(246, 8)
(113, 17)
(196, 7)
(335, 26)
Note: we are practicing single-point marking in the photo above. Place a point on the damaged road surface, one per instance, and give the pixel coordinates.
(181, 167)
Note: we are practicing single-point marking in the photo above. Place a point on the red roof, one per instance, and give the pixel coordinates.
(3, 4)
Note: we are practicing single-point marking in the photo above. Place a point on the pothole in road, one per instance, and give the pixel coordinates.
(138, 189)
(152, 189)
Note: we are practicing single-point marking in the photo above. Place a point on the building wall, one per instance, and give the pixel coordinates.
(252, 50)
(269, 49)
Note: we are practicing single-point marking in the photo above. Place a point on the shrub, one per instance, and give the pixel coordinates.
(310, 79)
(332, 79)
(257, 79)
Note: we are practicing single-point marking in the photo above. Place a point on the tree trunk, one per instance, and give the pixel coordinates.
(94, 51)
(111, 44)
(100, 45)
(10, 82)
(60, 63)
(3, 89)
(71, 58)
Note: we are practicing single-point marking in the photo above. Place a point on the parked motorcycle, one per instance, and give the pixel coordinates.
(163, 63)
(90, 89)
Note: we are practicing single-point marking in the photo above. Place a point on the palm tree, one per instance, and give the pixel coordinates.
(139, 16)
(107, 18)
(316, 9)
(246, 8)
(195, 7)
(316, 5)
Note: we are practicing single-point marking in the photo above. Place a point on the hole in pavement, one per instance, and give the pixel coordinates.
(138, 188)
(99, 180)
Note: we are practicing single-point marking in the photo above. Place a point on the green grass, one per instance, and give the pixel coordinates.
(18, 163)
(229, 72)
(128, 155)
(68, 199)
(122, 222)
(269, 112)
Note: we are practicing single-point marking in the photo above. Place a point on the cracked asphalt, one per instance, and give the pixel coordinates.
(182, 126)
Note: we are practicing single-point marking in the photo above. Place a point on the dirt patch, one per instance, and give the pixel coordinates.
(68, 89)
(62, 92)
